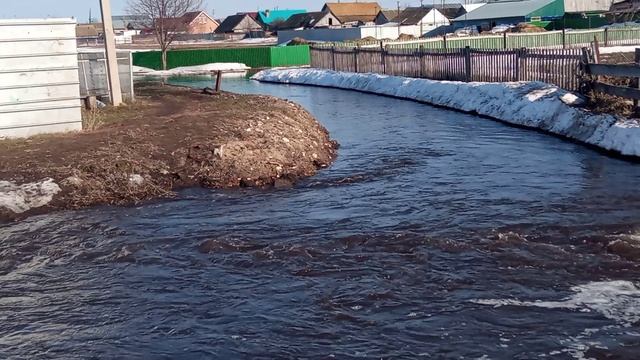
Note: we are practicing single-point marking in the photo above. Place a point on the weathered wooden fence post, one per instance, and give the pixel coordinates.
(467, 63)
(564, 38)
(333, 58)
(355, 57)
(519, 56)
(218, 80)
(504, 40)
(383, 56)
(444, 41)
(606, 37)
(420, 53)
(636, 81)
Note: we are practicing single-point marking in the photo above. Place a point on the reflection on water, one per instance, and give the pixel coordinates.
(435, 234)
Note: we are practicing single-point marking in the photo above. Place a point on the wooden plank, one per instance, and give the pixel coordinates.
(622, 70)
(625, 92)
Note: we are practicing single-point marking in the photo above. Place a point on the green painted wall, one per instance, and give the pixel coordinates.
(577, 21)
(253, 57)
(552, 10)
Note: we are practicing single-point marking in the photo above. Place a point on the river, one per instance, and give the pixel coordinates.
(435, 234)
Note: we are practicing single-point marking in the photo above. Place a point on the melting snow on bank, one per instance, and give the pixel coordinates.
(531, 104)
(22, 198)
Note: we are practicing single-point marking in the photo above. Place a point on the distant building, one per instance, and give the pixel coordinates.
(239, 24)
(195, 22)
(421, 16)
(354, 13)
(130, 22)
(312, 20)
(507, 12)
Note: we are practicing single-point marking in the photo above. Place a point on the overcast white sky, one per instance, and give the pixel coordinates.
(80, 8)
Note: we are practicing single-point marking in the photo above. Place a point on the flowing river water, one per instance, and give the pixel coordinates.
(435, 234)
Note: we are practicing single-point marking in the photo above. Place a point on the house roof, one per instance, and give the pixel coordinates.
(270, 16)
(304, 20)
(354, 11)
(451, 11)
(412, 15)
(231, 22)
(389, 14)
(504, 9)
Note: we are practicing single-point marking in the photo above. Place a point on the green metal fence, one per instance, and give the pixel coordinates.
(254, 57)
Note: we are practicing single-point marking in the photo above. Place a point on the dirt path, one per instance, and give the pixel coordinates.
(172, 138)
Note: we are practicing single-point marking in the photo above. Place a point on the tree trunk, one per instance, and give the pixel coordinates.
(164, 59)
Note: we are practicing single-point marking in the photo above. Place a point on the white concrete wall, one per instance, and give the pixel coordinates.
(39, 87)
(329, 35)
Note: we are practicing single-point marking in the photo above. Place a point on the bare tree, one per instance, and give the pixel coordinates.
(163, 17)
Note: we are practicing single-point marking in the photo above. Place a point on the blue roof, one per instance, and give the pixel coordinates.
(269, 16)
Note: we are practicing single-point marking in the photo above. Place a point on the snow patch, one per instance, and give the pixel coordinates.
(615, 300)
(22, 198)
(531, 104)
(237, 69)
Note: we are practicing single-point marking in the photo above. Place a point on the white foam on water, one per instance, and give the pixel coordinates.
(22, 198)
(616, 300)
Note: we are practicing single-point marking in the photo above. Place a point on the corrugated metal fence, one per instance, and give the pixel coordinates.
(39, 90)
(253, 57)
(555, 66)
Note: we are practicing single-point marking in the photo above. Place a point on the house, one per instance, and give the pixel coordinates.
(312, 20)
(276, 17)
(354, 13)
(586, 14)
(507, 12)
(421, 16)
(239, 24)
(198, 22)
(385, 16)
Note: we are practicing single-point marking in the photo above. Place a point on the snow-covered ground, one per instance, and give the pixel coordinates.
(531, 104)
(229, 69)
(618, 49)
(22, 198)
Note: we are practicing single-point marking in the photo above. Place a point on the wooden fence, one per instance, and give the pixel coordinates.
(559, 39)
(629, 71)
(556, 66)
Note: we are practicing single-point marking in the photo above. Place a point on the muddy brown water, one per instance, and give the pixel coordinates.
(434, 235)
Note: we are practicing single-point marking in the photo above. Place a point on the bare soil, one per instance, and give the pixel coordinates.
(172, 138)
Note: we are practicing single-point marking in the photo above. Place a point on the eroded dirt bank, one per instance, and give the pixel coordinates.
(172, 138)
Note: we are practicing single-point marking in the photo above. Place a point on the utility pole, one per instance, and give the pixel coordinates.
(110, 50)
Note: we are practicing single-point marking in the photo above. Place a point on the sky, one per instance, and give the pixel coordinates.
(79, 9)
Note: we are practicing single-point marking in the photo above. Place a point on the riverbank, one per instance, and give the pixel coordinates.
(528, 104)
(171, 138)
